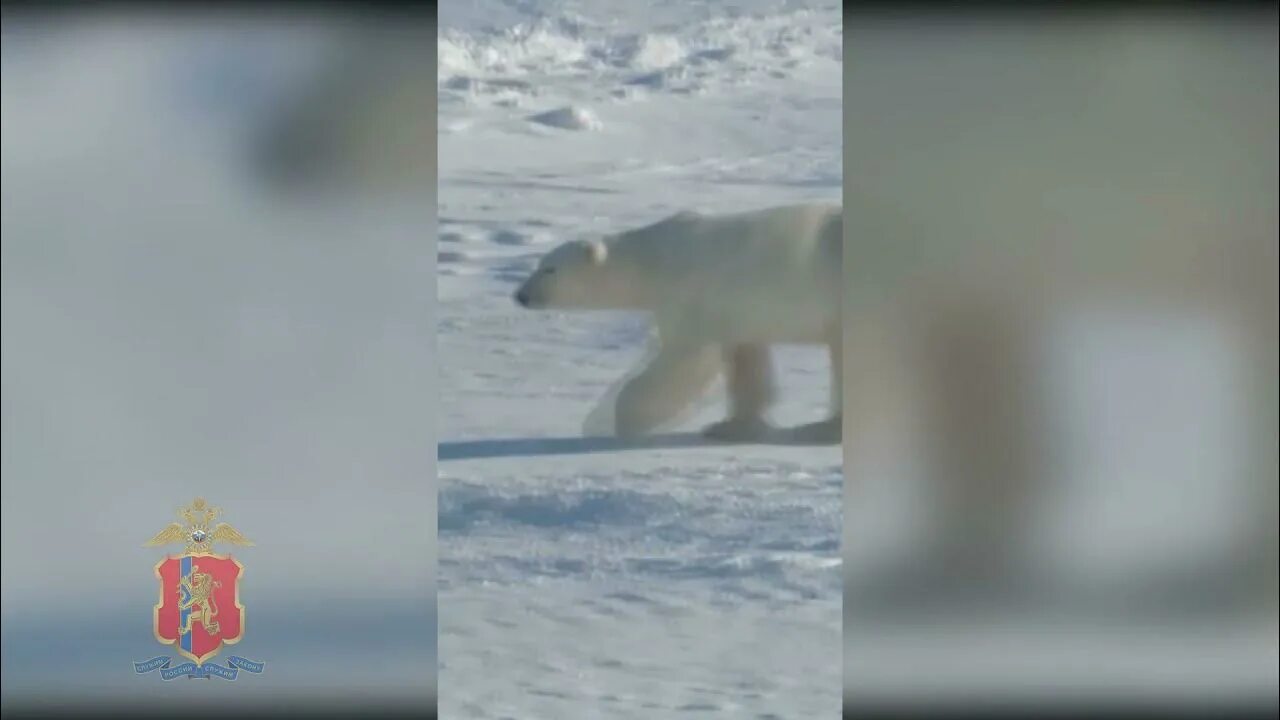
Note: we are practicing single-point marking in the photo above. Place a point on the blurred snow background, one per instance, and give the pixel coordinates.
(187, 313)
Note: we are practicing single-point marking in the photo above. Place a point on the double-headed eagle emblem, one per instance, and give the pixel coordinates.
(196, 533)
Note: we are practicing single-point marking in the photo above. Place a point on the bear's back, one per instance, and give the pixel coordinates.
(784, 230)
(799, 237)
(745, 274)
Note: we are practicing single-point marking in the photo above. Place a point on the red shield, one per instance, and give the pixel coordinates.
(199, 608)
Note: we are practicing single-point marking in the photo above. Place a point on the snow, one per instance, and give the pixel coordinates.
(577, 578)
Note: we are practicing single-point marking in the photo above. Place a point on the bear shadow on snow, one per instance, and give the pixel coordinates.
(535, 447)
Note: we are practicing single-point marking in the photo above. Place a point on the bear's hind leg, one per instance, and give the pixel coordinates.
(668, 385)
(831, 430)
(751, 392)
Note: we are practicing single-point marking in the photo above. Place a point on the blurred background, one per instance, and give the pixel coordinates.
(218, 281)
(1061, 367)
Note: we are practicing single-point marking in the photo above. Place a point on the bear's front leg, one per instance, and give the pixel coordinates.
(751, 392)
(677, 376)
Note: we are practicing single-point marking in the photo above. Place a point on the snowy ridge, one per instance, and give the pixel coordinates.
(603, 63)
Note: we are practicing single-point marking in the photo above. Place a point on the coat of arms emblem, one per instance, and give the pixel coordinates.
(199, 609)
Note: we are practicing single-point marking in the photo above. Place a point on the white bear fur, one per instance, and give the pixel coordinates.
(721, 289)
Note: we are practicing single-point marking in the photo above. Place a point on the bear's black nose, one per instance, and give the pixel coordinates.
(522, 297)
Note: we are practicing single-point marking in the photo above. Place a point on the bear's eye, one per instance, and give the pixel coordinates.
(549, 271)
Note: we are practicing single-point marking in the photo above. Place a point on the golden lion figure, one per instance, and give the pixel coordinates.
(199, 588)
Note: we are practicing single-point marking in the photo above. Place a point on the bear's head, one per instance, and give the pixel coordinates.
(575, 275)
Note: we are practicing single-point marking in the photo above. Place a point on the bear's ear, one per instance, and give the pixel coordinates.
(597, 251)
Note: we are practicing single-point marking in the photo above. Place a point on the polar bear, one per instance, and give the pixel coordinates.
(721, 289)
